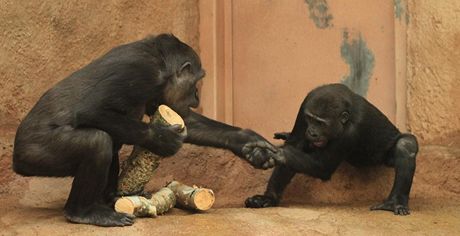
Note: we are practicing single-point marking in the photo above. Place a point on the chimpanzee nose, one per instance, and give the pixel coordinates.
(312, 133)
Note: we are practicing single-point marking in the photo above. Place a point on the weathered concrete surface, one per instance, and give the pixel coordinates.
(433, 55)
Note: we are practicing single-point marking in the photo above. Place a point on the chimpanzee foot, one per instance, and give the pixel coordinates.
(391, 205)
(100, 215)
(260, 201)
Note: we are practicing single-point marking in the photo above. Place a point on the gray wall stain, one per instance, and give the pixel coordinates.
(319, 13)
(401, 10)
(360, 60)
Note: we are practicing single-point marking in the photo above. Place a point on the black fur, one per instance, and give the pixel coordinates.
(78, 126)
(334, 125)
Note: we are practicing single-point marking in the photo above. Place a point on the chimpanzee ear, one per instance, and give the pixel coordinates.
(186, 67)
(344, 117)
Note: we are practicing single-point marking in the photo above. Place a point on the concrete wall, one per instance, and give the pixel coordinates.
(433, 56)
(41, 42)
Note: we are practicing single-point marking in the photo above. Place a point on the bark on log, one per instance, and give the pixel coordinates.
(160, 202)
(193, 198)
(135, 205)
(138, 169)
(163, 200)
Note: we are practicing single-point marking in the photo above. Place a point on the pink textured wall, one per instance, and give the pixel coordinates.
(433, 55)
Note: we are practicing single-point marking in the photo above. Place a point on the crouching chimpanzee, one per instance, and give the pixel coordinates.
(78, 126)
(335, 124)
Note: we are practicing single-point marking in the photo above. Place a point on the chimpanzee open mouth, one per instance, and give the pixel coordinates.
(319, 143)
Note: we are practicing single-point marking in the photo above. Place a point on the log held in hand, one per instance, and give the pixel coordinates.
(141, 163)
(167, 116)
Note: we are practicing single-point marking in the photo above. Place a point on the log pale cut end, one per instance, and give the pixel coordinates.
(125, 205)
(170, 116)
(203, 199)
(135, 205)
(193, 198)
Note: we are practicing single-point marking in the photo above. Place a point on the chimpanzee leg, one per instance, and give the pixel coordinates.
(404, 154)
(95, 173)
(85, 154)
(110, 192)
(279, 179)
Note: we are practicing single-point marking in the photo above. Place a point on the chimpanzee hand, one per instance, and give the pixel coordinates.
(259, 152)
(165, 140)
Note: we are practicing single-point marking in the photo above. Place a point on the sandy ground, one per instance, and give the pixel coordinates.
(429, 217)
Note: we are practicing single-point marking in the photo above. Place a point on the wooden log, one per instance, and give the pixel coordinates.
(160, 202)
(163, 200)
(167, 116)
(138, 169)
(135, 205)
(193, 198)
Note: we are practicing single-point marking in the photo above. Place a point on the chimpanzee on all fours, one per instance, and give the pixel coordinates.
(335, 124)
(78, 126)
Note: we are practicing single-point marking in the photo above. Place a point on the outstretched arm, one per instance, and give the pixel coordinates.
(243, 142)
(316, 164)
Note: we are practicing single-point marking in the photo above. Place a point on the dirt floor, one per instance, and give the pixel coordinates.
(429, 217)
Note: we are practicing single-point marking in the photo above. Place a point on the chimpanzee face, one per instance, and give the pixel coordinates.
(324, 123)
(182, 91)
(318, 129)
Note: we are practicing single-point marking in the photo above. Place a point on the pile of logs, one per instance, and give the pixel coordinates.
(138, 169)
(174, 194)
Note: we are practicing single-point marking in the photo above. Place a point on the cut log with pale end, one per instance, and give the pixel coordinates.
(167, 116)
(135, 205)
(160, 202)
(139, 167)
(194, 198)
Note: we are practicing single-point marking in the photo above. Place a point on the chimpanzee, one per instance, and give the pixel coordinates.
(78, 126)
(335, 124)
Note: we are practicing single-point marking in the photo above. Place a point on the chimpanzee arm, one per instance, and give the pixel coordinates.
(107, 106)
(161, 140)
(319, 164)
(291, 160)
(119, 126)
(204, 131)
(112, 100)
